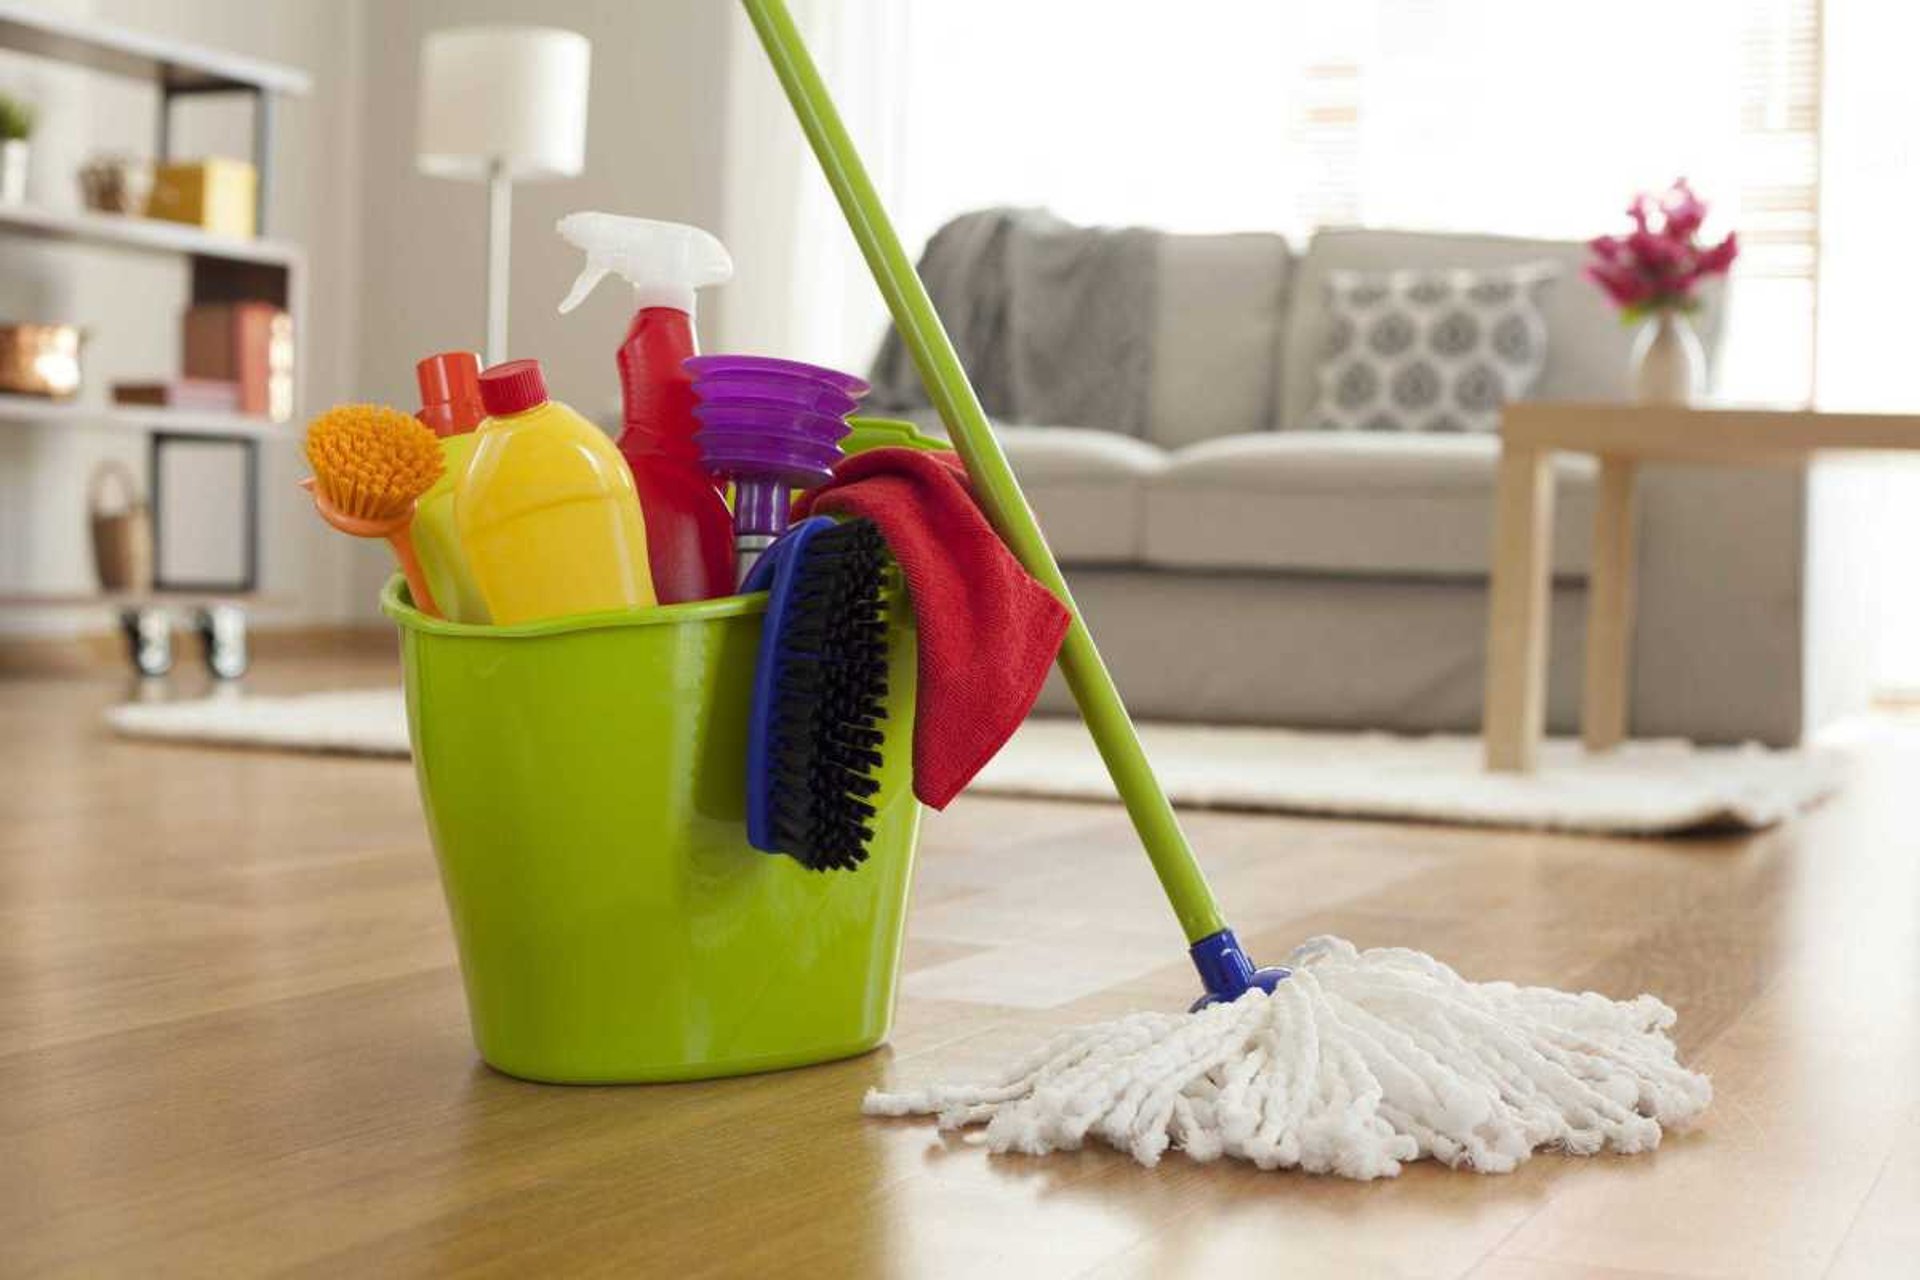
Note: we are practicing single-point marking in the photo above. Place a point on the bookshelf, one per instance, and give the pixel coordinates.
(219, 269)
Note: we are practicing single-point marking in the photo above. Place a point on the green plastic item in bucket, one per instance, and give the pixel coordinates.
(883, 433)
(584, 783)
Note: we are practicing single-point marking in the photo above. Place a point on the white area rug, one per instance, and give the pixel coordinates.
(361, 722)
(1649, 787)
(1645, 788)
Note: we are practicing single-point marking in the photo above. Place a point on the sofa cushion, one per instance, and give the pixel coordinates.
(1430, 350)
(1587, 346)
(1216, 335)
(1087, 487)
(1357, 504)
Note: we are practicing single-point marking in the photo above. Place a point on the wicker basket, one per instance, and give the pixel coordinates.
(122, 529)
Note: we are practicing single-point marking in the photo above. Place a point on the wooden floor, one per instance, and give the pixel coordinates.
(232, 1041)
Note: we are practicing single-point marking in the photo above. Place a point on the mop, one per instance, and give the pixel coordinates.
(1344, 1061)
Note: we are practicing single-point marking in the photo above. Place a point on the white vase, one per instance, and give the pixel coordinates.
(1669, 366)
(13, 171)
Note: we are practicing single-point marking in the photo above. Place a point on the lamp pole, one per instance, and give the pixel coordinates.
(499, 232)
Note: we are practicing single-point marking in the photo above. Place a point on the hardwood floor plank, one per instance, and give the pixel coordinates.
(1884, 1237)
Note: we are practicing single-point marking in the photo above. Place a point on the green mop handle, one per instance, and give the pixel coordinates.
(993, 480)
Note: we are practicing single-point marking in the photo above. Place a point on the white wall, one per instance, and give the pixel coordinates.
(395, 259)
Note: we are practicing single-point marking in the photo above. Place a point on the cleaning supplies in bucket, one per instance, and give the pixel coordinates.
(611, 927)
(689, 532)
(370, 466)
(770, 426)
(547, 511)
(450, 406)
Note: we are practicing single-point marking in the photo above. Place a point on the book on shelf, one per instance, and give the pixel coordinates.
(209, 395)
(246, 343)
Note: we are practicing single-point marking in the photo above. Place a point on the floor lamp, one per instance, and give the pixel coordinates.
(502, 104)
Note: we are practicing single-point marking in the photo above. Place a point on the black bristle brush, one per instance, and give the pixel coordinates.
(819, 694)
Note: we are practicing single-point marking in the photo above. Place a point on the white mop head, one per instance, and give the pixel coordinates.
(1357, 1063)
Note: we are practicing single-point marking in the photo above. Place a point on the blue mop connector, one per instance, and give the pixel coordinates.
(1226, 971)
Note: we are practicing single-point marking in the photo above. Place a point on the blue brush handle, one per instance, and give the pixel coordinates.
(773, 573)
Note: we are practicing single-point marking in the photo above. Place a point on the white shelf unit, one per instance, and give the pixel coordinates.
(154, 235)
(221, 269)
(17, 410)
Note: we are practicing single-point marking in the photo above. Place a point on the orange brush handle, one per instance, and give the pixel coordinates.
(401, 540)
(398, 531)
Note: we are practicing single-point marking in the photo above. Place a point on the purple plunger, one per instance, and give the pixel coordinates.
(767, 456)
(769, 426)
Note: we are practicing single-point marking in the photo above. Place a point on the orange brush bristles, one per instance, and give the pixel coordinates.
(371, 462)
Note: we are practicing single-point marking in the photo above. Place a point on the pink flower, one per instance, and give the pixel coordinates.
(1716, 261)
(1656, 253)
(1683, 211)
(1660, 262)
(1626, 287)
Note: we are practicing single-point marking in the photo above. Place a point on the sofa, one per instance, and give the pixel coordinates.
(1239, 568)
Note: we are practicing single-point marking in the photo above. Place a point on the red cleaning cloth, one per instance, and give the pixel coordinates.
(988, 629)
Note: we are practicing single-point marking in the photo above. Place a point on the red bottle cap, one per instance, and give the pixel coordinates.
(513, 386)
(450, 392)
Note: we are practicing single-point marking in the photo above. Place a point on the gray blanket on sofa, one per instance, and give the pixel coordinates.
(1054, 323)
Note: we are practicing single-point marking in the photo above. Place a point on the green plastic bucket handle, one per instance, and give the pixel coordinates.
(999, 493)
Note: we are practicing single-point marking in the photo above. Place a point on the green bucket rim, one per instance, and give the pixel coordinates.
(395, 603)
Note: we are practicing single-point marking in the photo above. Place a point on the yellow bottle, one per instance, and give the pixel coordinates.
(547, 511)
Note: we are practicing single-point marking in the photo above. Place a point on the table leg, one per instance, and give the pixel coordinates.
(1603, 704)
(1515, 709)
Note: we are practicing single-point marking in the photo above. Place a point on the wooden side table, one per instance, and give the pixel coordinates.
(1622, 437)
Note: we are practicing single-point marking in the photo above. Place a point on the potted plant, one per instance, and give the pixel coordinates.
(1653, 275)
(16, 126)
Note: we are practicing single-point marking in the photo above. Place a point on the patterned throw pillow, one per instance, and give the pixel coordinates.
(1430, 350)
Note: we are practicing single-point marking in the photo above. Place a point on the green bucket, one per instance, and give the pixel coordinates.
(584, 783)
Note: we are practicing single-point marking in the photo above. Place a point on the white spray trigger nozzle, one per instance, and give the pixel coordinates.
(582, 286)
(663, 261)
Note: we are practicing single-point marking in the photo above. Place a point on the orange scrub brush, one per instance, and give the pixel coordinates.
(370, 465)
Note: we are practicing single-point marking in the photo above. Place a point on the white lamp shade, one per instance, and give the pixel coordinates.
(510, 96)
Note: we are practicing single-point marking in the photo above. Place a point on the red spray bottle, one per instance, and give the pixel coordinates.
(689, 530)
